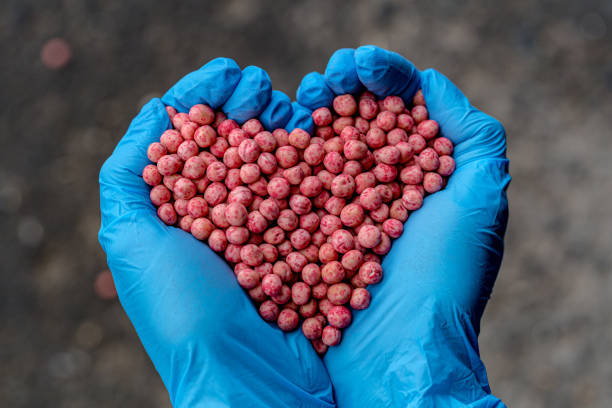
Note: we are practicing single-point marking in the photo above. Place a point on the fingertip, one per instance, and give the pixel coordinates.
(302, 118)
(386, 73)
(121, 187)
(474, 133)
(313, 91)
(341, 72)
(251, 95)
(145, 128)
(212, 85)
(278, 112)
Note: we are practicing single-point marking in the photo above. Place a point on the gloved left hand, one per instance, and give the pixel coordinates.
(417, 343)
(199, 327)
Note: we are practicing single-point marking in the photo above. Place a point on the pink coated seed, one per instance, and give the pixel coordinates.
(218, 149)
(288, 320)
(184, 188)
(368, 108)
(428, 129)
(419, 113)
(300, 293)
(215, 193)
(179, 119)
(322, 117)
(339, 293)
(428, 159)
(171, 139)
(360, 298)
(251, 255)
(284, 296)
(393, 227)
(443, 146)
(167, 213)
(339, 317)
(343, 185)
(331, 336)
(447, 166)
(248, 278)
(319, 291)
(352, 260)
(217, 216)
(151, 175)
(411, 174)
(257, 294)
(333, 162)
(418, 98)
(386, 120)
(286, 156)
(168, 165)
(370, 273)
(369, 236)
(252, 127)
(300, 204)
(417, 142)
(188, 130)
(269, 311)
(201, 114)
(405, 122)
(398, 211)
(237, 236)
(155, 151)
(352, 215)
(217, 240)
(299, 138)
(312, 328)
(345, 105)
(201, 228)
(339, 124)
(342, 241)
(384, 173)
(256, 222)
(180, 206)
(197, 207)
(384, 246)
(185, 223)
(432, 182)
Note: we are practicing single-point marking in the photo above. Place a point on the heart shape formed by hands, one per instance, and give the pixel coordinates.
(303, 219)
(416, 344)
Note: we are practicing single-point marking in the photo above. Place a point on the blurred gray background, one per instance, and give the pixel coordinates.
(544, 68)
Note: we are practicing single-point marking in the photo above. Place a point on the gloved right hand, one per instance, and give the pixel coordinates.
(199, 327)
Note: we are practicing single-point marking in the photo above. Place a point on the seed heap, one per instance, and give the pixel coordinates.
(303, 220)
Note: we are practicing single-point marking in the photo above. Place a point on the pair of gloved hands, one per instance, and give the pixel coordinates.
(416, 345)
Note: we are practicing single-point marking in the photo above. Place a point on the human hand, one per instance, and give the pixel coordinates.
(416, 345)
(199, 327)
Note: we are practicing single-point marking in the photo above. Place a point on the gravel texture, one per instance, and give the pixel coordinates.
(543, 68)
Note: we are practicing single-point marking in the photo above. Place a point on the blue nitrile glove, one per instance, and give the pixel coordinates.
(416, 345)
(199, 327)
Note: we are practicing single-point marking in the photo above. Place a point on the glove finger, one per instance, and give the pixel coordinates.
(341, 73)
(121, 186)
(251, 95)
(198, 326)
(212, 85)
(313, 92)
(386, 73)
(475, 134)
(278, 112)
(302, 118)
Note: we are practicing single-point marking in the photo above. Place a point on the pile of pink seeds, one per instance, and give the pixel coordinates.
(303, 220)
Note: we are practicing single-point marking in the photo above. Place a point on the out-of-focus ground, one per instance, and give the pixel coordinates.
(543, 68)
